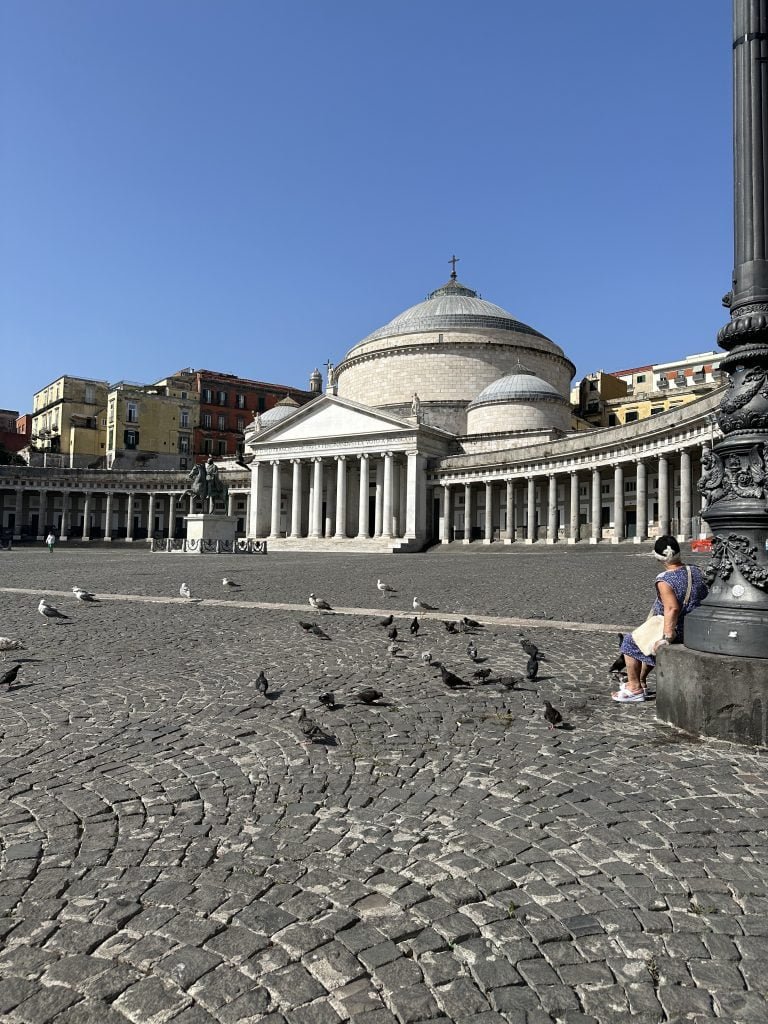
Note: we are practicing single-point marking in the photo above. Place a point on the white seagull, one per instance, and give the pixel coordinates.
(84, 595)
(426, 657)
(319, 604)
(7, 644)
(184, 591)
(49, 611)
(423, 606)
(229, 583)
(385, 588)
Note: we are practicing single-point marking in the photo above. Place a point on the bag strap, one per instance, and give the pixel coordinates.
(688, 588)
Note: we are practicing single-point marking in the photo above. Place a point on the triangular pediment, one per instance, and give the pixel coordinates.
(331, 417)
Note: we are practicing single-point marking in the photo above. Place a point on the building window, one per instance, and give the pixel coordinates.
(630, 486)
(207, 420)
(612, 421)
(182, 463)
(221, 447)
(184, 396)
(222, 421)
(640, 378)
(131, 438)
(605, 488)
(240, 401)
(240, 424)
(631, 417)
(90, 394)
(593, 385)
(656, 409)
(133, 413)
(593, 407)
(207, 446)
(262, 403)
(221, 397)
(184, 443)
(184, 418)
(207, 395)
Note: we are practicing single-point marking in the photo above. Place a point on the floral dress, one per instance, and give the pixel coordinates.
(678, 580)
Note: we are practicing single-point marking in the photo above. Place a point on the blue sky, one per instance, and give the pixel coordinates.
(254, 186)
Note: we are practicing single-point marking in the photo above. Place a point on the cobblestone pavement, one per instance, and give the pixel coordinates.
(171, 851)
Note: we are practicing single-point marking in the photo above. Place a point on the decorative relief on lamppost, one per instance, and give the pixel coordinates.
(734, 552)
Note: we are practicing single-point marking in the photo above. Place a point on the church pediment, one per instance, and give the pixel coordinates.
(331, 417)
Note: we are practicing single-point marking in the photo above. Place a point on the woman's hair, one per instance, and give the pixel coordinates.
(666, 549)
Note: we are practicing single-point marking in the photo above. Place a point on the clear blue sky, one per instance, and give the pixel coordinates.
(255, 186)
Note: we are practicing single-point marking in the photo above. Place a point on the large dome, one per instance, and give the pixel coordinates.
(446, 349)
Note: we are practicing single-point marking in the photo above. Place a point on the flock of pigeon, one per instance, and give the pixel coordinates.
(313, 732)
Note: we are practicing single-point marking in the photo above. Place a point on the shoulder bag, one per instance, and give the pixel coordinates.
(652, 630)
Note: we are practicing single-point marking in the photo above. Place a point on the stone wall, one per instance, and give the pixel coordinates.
(503, 416)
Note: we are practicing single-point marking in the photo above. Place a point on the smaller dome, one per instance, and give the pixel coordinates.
(519, 386)
(280, 411)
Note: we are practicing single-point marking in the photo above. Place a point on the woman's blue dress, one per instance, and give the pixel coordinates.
(678, 580)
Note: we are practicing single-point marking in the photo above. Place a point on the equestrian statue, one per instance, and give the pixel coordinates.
(206, 484)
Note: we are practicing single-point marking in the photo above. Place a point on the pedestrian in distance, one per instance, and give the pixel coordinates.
(50, 540)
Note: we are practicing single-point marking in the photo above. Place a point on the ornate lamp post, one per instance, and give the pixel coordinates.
(734, 618)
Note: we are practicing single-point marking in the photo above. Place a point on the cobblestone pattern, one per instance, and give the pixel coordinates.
(171, 851)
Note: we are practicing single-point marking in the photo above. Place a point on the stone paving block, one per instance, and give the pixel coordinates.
(684, 1000)
(246, 1007)
(14, 991)
(293, 985)
(461, 998)
(333, 965)
(412, 1005)
(748, 1007)
(186, 964)
(149, 1002)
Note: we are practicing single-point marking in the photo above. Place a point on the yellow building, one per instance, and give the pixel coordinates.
(69, 421)
(152, 425)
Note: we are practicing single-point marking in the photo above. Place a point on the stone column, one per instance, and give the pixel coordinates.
(618, 503)
(488, 525)
(467, 513)
(446, 521)
(150, 515)
(363, 524)
(274, 527)
(171, 515)
(378, 524)
(341, 497)
(108, 517)
(18, 513)
(530, 535)
(663, 496)
(87, 516)
(64, 533)
(129, 517)
(387, 506)
(317, 499)
(552, 510)
(597, 505)
(573, 510)
(230, 504)
(42, 514)
(685, 496)
(510, 498)
(415, 520)
(297, 497)
(642, 503)
(257, 499)
(402, 500)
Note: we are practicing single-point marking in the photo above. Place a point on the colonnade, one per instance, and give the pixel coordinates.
(103, 514)
(628, 500)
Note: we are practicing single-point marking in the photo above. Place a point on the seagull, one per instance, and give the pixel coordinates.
(385, 588)
(319, 604)
(84, 595)
(49, 611)
(423, 606)
(414, 626)
(472, 623)
(184, 591)
(311, 730)
(311, 627)
(552, 715)
(9, 678)
(230, 583)
(261, 684)
(369, 696)
(328, 700)
(392, 632)
(481, 674)
(472, 650)
(426, 657)
(450, 679)
(532, 668)
(7, 644)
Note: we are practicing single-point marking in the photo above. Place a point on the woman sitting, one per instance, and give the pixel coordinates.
(676, 595)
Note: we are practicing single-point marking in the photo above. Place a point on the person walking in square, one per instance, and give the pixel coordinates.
(50, 540)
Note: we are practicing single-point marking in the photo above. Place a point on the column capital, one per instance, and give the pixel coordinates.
(317, 458)
(296, 462)
(340, 458)
(364, 455)
(275, 462)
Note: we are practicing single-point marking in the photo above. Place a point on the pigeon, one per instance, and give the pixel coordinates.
(423, 606)
(369, 696)
(481, 674)
(620, 664)
(472, 650)
(328, 700)
(261, 684)
(509, 682)
(230, 583)
(472, 623)
(532, 668)
(7, 644)
(49, 611)
(385, 588)
(532, 650)
(426, 657)
(9, 678)
(393, 649)
(84, 595)
(387, 621)
(392, 632)
(314, 629)
(450, 627)
(414, 626)
(450, 679)
(311, 730)
(552, 715)
(184, 591)
(319, 604)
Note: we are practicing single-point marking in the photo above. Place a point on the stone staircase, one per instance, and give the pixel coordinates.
(346, 545)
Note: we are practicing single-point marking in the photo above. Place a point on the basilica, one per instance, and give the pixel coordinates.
(452, 424)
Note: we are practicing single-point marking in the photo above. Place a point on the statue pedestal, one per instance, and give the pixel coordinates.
(718, 695)
(207, 532)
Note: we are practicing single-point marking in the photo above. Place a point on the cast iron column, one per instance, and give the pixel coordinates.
(734, 618)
